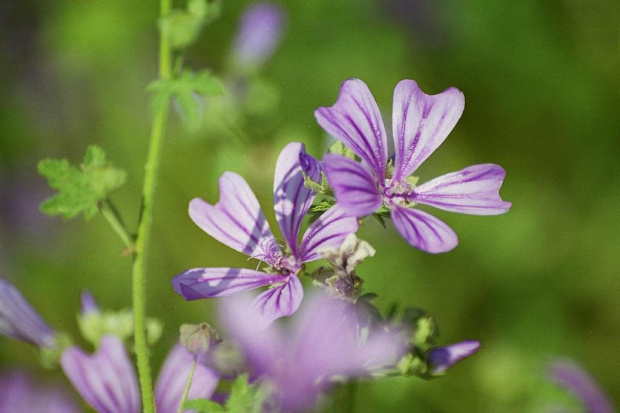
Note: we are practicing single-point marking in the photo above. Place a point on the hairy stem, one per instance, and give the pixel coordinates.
(188, 385)
(146, 217)
(111, 215)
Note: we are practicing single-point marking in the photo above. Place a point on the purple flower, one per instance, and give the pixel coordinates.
(322, 343)
(107, 380)
(575, 380)
(20, 321)
(19, 394)
(238, 221)
(258, 36)
(421, 123)
(441, 359)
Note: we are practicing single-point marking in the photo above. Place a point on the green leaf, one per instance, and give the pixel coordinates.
(80, 189)
(186, 91)
(203, 406)
(245, 398)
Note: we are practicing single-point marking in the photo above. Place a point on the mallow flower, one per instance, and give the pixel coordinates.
(420, 124)
(322, 342)
(20, 321)
(107, 380)
(238, 221)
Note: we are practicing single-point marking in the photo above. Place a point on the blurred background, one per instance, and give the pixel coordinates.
(542, 87)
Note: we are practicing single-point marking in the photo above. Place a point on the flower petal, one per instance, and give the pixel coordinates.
(291, 197)
(173, 377)
(106, 379)
(473, 190)
(356, 190)
(200, 283)
(329, 231)
(279, 302)
(355, 121)
(20, 321)
(236, 220)
(422, 230)
(421, 123)
(441, 359)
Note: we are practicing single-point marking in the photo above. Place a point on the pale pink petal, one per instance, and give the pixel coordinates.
(473, 190)
(422, 230)
(355, 121)
(356, 189)
(421, 123)
(200, 283)
(236, 220)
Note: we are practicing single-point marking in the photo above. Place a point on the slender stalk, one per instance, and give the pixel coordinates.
(111, 215)
(144, 225)
(188, 384)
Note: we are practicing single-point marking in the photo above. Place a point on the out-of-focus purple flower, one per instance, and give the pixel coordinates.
(107, 380)
(20, 321)
(19, 394)
(441, 359)
(420, 123)
(238, 221)
(322, 343)
(258, 36)
(89, 305)
(571, 377)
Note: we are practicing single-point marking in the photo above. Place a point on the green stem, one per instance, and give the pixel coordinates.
(188, 384)
(111, 215)
(144, 225)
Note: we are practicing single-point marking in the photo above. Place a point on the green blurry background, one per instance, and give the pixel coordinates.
(542, 90)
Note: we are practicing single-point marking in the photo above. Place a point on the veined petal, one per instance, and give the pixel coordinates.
(356, 190)
(173, 377)
(20, 321)
(421, 123)
(280, 301)
(200, 283)
(473, 190)
(422, 230)
(106, 379)
(236, 220)
(329, 231)
(291, 198)
(355, 121)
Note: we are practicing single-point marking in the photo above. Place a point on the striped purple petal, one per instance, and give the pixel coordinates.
(570, 376)
(421, 123)
(355, 188)
(355, 121)
(20, 321)
(473, 190)
(423, 231)
(173, 378)
(329, 231)
(291, 197)
(236, 220)
(105, 379)
(200, 283)
(279, 302)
